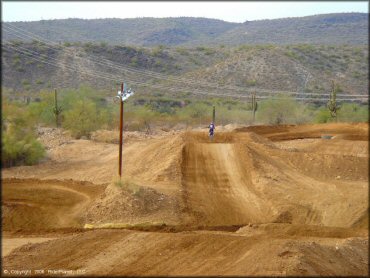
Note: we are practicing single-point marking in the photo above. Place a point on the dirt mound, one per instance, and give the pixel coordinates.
(132, 253)
(340, 147)
(33, 205)
(128, 203)
(53, 137)
(112, 136)
(294, 230)
(239, 178)
(218, 186)
(154, 161)
(358, 131)
(244, 178)
(150, 160)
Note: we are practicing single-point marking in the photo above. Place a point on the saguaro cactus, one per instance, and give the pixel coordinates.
(57, 109)
(332, 103)
(254, 106)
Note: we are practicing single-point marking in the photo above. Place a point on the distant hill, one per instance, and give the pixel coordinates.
(329, 29)
(296, 68)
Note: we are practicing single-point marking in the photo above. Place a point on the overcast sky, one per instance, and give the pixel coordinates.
(228, 11)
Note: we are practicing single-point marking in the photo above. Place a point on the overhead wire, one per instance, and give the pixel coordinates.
(113, 77)
(146, 73)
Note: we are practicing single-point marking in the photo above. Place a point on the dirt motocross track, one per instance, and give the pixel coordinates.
(255, 201)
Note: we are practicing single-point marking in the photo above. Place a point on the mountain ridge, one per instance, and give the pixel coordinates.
(329, 29)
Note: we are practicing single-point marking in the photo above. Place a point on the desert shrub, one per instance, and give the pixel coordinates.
(277, 110)
(322, 115)
(139, 117)
(25, 82)
(82, 118)
(195, 111)
(42, 112)
(305, 113)
(352, 112)
(201, 48)
(20, 147)
(231, 113)
(19, 144)
(182, 51)
(250, 83)
(157, 51)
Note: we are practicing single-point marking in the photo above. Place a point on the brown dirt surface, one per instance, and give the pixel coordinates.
(257, 200)
(34, 205)
(9, 244)
(358, 131)
(131, 253)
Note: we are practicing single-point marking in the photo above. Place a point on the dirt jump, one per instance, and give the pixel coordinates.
(259, 200)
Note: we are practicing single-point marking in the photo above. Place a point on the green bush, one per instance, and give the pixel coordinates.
(352, 112)
(251, 83)
(17, 151)
(323, 116)
(279, 110)
(42, 112)
(82, 118)
(19, 144)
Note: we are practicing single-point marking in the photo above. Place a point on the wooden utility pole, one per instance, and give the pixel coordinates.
(123, 95)
(120, 134)
(214, 115)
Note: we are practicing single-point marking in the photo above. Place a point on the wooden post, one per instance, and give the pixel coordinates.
(120, 134)
(214, 115)
(56, 108)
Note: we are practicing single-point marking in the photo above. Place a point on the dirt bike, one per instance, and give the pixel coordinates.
(211, 134)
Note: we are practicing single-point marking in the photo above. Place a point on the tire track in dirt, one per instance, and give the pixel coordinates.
(238, 179)
(217, 187)
(32, 205)
(243, 178)
(265, 250)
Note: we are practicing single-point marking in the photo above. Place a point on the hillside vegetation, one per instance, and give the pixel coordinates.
(341, 28)
(304, 68)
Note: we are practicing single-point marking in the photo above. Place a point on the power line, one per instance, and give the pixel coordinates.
(146, 73)
(114, 78)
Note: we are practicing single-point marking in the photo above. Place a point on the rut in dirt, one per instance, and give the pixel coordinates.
(218, 187)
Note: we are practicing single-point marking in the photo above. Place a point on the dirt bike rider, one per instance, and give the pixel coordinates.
(211, 129)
